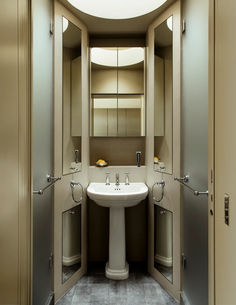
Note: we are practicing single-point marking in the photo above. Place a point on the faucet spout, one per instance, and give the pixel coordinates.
(117, 179)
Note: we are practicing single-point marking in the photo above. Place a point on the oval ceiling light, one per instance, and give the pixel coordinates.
(130, 56)
(108, 57)
(117, 9)
(170, 23)
(65, 24)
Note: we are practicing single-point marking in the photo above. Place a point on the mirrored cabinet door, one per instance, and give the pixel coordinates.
(71, 242)
(117, 92)
(163, 242)
(163, 98)
(72, 97)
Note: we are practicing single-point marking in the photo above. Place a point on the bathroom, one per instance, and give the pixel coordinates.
(113, 120)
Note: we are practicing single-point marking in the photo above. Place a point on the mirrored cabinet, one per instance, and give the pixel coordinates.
(72, 97)
(163, 97)
(117, 92)
(71, 242)
(163, 242)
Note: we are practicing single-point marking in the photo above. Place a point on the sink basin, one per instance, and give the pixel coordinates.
(121, 196)
(117, 198)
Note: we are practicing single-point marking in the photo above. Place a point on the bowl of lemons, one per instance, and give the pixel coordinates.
(101, 163)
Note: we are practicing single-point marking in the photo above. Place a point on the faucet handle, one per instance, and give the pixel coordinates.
(107, 178)
(126, 178)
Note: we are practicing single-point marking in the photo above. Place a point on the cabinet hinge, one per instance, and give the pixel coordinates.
(51, 261)
(51, 28)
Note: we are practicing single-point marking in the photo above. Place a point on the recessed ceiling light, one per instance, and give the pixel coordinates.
(117, 9)
(110, 57)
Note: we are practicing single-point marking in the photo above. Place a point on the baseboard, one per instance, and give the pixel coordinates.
(163, 260)
(71, 260)
(183, 299)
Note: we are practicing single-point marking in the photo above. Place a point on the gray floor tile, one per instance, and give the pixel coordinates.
(81, 295)
(96, 289)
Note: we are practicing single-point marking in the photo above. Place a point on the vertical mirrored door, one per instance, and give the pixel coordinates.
(163, 242)
(71, 242)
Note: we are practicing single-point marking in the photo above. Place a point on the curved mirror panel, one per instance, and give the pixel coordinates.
(72, 98)
(163, 98)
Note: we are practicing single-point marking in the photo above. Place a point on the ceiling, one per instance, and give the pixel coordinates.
(134, 26)
(72, 36)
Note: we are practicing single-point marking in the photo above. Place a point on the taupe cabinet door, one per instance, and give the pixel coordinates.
(225, 151)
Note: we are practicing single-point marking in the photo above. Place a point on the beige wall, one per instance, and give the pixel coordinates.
(109, 149)
(14, 153)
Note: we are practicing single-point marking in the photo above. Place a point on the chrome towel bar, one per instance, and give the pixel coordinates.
(51, 179)
(73, 184)
(184, 180)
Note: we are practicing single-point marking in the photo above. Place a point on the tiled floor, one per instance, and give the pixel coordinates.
(95, 289)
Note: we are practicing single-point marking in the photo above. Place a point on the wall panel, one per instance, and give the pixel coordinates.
(14, 153)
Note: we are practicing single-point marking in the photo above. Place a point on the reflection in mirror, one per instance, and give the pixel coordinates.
(72, 97)
(71, 243)
(163, 242)
(117, 97)
(163, 95)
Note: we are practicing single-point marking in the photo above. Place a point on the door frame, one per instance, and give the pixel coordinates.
(62, 191)
(172, 201)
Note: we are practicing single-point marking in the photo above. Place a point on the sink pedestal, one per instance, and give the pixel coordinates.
(117, 267)
(117, 199)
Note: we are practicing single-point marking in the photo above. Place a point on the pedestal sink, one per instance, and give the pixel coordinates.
(117, 198)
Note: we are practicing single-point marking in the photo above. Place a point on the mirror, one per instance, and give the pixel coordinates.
(71, 242)
(163, 98)
(72, 98)
(117, 92)
(163, 242)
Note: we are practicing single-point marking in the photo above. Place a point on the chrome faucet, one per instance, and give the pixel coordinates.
(138, 154)
(126, 178)
(107, 179)
(117, 179)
